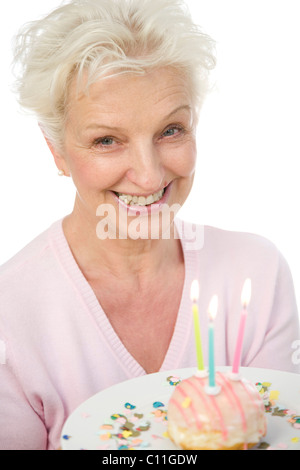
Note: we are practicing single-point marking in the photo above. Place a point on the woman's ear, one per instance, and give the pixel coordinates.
(58, 157)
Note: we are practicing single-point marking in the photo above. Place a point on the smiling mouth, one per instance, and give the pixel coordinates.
(131, 200)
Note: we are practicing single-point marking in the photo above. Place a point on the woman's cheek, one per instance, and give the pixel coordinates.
(183, 160)
(96, 173)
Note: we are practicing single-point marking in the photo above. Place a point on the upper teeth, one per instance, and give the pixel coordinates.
(141, 200)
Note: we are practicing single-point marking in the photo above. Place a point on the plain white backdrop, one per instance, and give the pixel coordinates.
(247, 175)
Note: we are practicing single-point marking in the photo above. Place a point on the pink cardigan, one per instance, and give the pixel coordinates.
(60, 348)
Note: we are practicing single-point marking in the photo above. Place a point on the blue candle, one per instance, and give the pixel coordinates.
(212, 311)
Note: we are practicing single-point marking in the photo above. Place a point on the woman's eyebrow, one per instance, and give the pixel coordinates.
(179, 108)
(103, 126)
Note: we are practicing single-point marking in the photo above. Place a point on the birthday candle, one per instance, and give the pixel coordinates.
(198, 342)
(212, 312)
(245, 299)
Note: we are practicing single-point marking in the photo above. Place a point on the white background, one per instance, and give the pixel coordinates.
(248, 139)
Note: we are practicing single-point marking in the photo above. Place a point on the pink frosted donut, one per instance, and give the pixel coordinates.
(234, 419)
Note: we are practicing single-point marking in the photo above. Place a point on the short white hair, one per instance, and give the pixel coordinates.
(101, 38)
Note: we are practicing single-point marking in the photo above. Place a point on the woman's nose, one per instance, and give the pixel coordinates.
(146, 169)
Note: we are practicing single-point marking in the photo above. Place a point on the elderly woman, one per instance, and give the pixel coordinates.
(104, 294)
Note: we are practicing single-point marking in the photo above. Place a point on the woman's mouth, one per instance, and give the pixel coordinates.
(131, 200)
(144, 204)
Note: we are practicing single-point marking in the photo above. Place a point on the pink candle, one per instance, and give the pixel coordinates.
(246, 294)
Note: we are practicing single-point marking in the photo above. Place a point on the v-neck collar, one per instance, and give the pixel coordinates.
(183, 323)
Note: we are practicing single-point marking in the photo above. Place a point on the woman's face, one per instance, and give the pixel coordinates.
(130, 144)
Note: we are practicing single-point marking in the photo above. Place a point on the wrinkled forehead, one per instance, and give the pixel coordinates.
(157, 92)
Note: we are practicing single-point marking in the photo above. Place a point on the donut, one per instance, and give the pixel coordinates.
(230, 418)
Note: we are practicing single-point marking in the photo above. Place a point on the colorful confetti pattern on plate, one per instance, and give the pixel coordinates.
(273, 407)
(126, 429)
(131, 428)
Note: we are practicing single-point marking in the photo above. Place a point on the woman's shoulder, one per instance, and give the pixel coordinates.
(230, 247)
(30, 259)
(208, 236)
(238, 241)
(31, 286)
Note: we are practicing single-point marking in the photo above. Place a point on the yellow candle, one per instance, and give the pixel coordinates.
(198, 341)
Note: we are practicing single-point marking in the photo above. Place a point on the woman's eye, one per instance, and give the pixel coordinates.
(105, 141)
(172, 131)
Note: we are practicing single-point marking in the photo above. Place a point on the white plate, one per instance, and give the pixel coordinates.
(98, 424)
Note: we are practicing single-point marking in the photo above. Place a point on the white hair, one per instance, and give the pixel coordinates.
(105, 38)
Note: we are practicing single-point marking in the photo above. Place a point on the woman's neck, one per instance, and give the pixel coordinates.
(138, 260)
